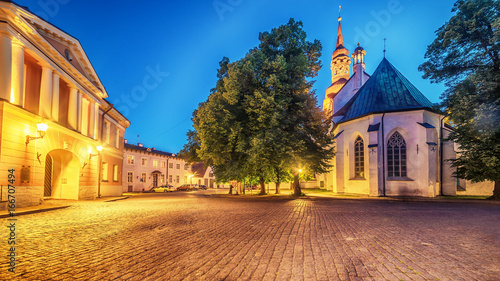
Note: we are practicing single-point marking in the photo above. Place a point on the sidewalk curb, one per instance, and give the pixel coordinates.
(22, 213)
(117, 199)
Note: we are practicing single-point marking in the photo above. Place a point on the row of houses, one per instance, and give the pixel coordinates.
(59, 136)
(145, 168)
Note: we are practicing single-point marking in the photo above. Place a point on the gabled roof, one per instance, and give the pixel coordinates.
(147, 149)
(387, 90)
(53, 41)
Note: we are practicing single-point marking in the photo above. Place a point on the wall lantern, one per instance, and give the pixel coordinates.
(41, 129)
(99, 149)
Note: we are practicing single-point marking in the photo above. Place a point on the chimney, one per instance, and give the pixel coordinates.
(140, 144)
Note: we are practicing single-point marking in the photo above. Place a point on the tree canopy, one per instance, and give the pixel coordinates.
(262, 119)
(465, 56)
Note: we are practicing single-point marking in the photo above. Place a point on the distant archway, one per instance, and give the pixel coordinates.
(62, 175)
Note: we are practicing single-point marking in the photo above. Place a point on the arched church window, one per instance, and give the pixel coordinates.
(396, 156)
(359, 158)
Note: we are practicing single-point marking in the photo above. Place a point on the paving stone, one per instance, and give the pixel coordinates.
(180, 236)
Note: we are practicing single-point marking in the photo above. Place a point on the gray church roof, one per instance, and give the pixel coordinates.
(387, 90)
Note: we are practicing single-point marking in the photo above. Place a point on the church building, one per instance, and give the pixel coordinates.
(389, 141)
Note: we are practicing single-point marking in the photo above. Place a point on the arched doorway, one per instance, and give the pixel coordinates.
(62, 175)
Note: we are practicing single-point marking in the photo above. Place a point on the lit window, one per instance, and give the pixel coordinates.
(163, 164)
(359, 158)
(155, 163)
(144, 161)
(104, 171)
(130, 159)
(396, 156)
(115, 172)
(162, 178)
(143, 177)
(130, 177)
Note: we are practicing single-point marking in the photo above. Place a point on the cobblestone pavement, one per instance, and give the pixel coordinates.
(194, 237)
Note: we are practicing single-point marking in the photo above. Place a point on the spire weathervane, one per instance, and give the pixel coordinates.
(385, 45)
(340, 8)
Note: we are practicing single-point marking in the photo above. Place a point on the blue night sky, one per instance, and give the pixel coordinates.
(182, 42)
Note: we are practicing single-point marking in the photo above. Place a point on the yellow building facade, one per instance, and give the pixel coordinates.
(46, 78)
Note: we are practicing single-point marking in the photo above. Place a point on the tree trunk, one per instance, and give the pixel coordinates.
(243, 191)
(296, 185)
(278, 191)
(262, 185)
(230, 189)
(496, 191)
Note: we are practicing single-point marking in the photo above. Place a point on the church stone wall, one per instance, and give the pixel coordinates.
(421, 179)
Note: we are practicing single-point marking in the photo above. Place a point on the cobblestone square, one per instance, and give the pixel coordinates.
(198, 236)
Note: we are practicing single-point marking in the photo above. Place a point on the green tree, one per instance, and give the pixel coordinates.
(465, 56)
(262, 118)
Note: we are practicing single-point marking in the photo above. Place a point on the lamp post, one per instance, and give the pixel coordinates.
(99, 170)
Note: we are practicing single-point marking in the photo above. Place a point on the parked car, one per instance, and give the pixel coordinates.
(185, 187)
(163, 188)
(202, 186)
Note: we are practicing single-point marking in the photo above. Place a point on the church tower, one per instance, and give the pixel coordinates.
(341, 71)
(358, 68)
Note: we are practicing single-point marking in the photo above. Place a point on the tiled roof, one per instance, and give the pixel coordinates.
(387, 90)
(146, 149)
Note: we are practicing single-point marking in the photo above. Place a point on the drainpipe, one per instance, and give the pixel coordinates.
(441, 155)
(383, 157)
(100, 156)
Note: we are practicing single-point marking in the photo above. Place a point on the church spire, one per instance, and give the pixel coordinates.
(340, 37)
(341, 70)
(341, 62)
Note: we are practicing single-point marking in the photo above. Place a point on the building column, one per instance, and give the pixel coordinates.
(80, 109)
(85, 117)
(92, 121)
(17, 92)
(5, 66)
(96, 121)
(45, 108)
(55, 97)
(73, 108)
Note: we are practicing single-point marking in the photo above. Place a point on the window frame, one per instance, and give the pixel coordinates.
(397, 157)
(359, 158)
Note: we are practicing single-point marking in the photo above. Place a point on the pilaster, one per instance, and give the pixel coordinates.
(55, 97)
(73, 107)
(17, 78)
(45, 108)
(5, 66)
